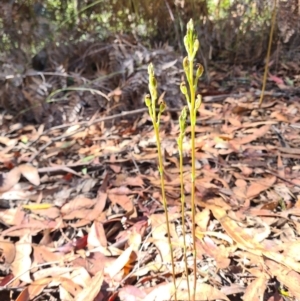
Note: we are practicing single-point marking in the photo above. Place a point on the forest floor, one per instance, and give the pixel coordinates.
(81, 213)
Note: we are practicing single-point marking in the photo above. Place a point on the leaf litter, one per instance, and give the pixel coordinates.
(81, 212)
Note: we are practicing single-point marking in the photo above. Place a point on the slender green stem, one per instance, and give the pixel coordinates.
(164, 199)
(192, 46)
(182, 121)
(151, 102)
(193, 122)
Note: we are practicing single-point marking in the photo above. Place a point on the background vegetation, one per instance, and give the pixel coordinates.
(232, 30)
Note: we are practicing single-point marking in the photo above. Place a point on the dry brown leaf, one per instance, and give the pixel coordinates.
(202, 219)
(220, 254)
(246, 242)
(123, 200)
(219, 235)
(79, 214)
(91, 291)
(252, 258)
(94, 263)
(132, 235)
(37, 287)
(233, 289)
(241, 183)
(13, 216)
(8, 252)
(122, 190)
(134, 181)
(252, 137)
(70, 286)
(238, 234)
(131, 293)
(217, 201)
(119, 263)
(116, 168)
(156, 267)
(81, 276)
(259, 186)
(204, 292)
(100, 204)
(13, 176)
(22, 263)
(97, 236)
(292, 249)
(30, 173)
(159, 227)
(235, 121)
(78, 203)
(280, 258)
(52, 272)
(289, 150)
(246, 171)
(260, 232)
(255, 291)
(286, 276)
(10, 179)
(280, 117)
(244, 191)
(7, 141)
(42, 254)
(31, 225)
(24, 296)
(64, 294)
(87, 216)
(135, 240)
(280, 166)
(161, 292)
(48, 213)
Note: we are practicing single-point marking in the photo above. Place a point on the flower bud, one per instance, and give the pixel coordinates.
(152, 82)
(190, 26)
(199, 71)
(183, 88)
(182, 119)
(150, 69)
(162, 107)
(148, 100)
(198, 102)
(196, 46)
(185, 65)
(186, 43)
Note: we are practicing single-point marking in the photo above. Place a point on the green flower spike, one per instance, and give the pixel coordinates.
(151, 102)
